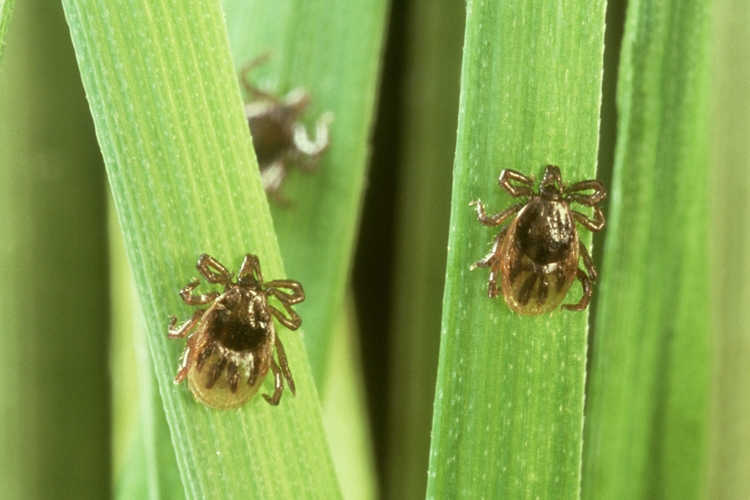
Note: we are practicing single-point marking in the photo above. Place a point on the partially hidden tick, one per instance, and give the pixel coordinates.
(231, 347)
(279, 138)
(536, 255)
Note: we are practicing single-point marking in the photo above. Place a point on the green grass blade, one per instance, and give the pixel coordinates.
(6, 9)
(345, 412)
(509, 398)
(646, 426)
(144, 461)
(730, 274)
(163, 91)
(433, 61)
(332, 49)
(54, 395)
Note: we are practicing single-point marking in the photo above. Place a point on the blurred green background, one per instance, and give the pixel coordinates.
(78, 379)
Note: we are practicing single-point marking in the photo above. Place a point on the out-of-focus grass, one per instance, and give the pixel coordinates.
(509, 397)
(647, 411)
(345, 413)
(730, 246)
(434, 37)
(54, 397)
(332, 49)
(163, 92)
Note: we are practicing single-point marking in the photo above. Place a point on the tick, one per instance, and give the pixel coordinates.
(230, 349)
(279, 138)
(537, 253)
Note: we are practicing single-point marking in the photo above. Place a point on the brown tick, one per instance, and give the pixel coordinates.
(537, 253)
(279, 139)
(231, 348)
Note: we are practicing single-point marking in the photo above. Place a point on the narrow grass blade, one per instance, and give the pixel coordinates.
(332, 49)
(345, 413)
(433, 58)
(509, 398)
(730, 247)
(163, 92)
(6, 9)
(54, 395)
(646, 425)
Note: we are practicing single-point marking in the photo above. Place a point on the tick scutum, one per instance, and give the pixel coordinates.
(545, 231)
(236, 332)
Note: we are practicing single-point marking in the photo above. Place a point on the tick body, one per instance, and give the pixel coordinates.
(536, 256)
(279, 138)
(231, 347)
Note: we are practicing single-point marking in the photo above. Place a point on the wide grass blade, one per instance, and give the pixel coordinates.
(163, 91)
(509, 398)
(433, 60)
(54, 395)
(647, 414)
(332, 49)
(730, 248)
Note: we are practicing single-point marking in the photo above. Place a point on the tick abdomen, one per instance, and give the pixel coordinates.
(545, 231)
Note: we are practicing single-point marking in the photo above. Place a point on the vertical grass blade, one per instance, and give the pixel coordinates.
(333, 50)
(730, 248)
(646, 426)
(163, 91)
(509, 398)
(345, 412)
(433, 61)
(54, 396)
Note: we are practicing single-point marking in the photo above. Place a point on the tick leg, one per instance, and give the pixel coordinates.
(272, 177)
(296, 100)
(313, 148)
(187, 359)
(222, 276)
(185, 365)
(497, 219)
(251, 264)
(253, 91)
(594, 225)
(588, 200)
(196, 300)
(278, 385)
(178, 333)
(297, 295)
(587, 261)
(587, 291)
(284, 365)
(492, 260)
(292, 322)
(508, 175)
